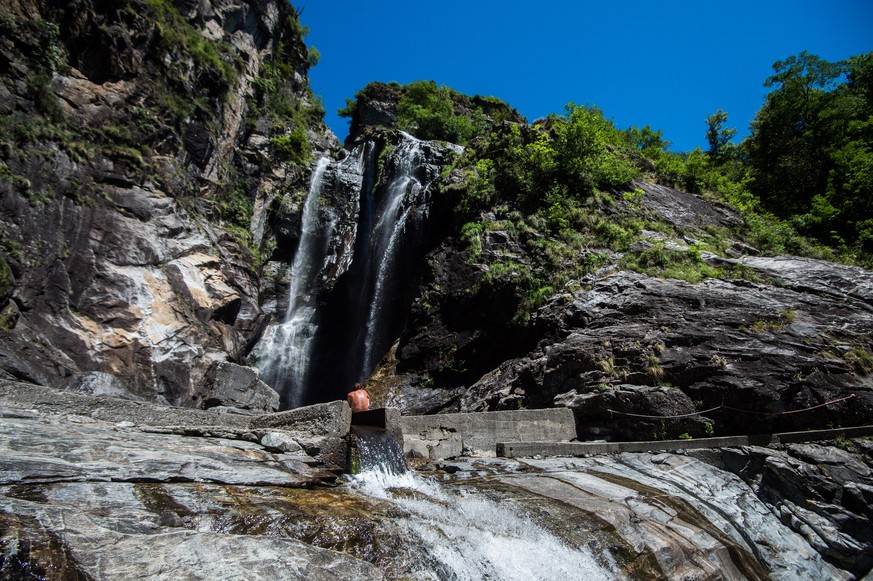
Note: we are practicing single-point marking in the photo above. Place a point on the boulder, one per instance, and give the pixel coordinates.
(99, 383)
(231, 385)
(280, 442)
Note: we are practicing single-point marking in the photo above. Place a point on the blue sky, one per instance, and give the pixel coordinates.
(665, 63)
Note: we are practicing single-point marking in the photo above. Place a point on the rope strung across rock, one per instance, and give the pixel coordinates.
(722, 406)
(665, 417)
(821, 405)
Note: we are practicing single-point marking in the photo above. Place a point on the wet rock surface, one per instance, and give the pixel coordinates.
(103, 488)
(692, 518)
(93, 487)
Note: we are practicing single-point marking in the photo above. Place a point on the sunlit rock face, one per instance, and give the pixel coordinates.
(140, 152)
(661, 347)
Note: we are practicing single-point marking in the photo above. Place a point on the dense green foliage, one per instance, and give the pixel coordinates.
(431, 111)
(718, 136)
(810, 155)
(428, 111)
(543, 185)
(805, 174)
(552, 166)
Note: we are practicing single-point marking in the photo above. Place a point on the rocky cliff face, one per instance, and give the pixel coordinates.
(622, 348)
(669, 323)
(157, 162)
(158, 159)
(144, 145)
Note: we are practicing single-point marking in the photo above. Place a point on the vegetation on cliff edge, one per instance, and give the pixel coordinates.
(561, 190)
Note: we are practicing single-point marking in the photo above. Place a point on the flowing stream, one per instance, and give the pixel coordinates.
(462, 534)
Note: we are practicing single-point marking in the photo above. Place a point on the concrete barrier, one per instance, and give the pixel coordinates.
(321, 429)
(324, 419)
(529, 449)
(477, 434)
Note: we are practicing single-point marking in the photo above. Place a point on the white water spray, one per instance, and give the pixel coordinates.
(289, 345)
(468, 536)
(401, 201)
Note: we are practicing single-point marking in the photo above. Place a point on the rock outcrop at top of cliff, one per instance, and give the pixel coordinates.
(143, 146)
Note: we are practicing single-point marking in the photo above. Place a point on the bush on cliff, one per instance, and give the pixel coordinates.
(427, 110)
(541, 184)
(549, 167)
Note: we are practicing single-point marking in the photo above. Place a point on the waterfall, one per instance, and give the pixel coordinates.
(375, 449)
(403, 199)
(304, 268)
(288, 347)
(352, 275)
(462, 534)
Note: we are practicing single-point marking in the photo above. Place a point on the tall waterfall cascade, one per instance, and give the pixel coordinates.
(287, 347)
(360, 227)
(403, 206)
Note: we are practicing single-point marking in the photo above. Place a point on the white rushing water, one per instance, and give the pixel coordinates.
(400, 203)
(469, 536)
(288, 345)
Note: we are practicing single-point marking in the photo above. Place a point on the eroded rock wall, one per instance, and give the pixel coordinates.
(138, 156)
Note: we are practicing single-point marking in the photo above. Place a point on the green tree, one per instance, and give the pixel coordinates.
(811, 148)
(718, 136)
(649, 141)
(792, 133)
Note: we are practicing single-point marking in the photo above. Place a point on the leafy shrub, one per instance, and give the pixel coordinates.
(428, 111)
(591, 152)
(293, 147)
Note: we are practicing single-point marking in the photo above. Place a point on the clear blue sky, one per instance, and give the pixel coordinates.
(666, 63)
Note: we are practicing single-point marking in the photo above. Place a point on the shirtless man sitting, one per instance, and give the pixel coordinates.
(359, 399)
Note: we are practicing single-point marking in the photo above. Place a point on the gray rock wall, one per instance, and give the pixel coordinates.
(127, 187)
